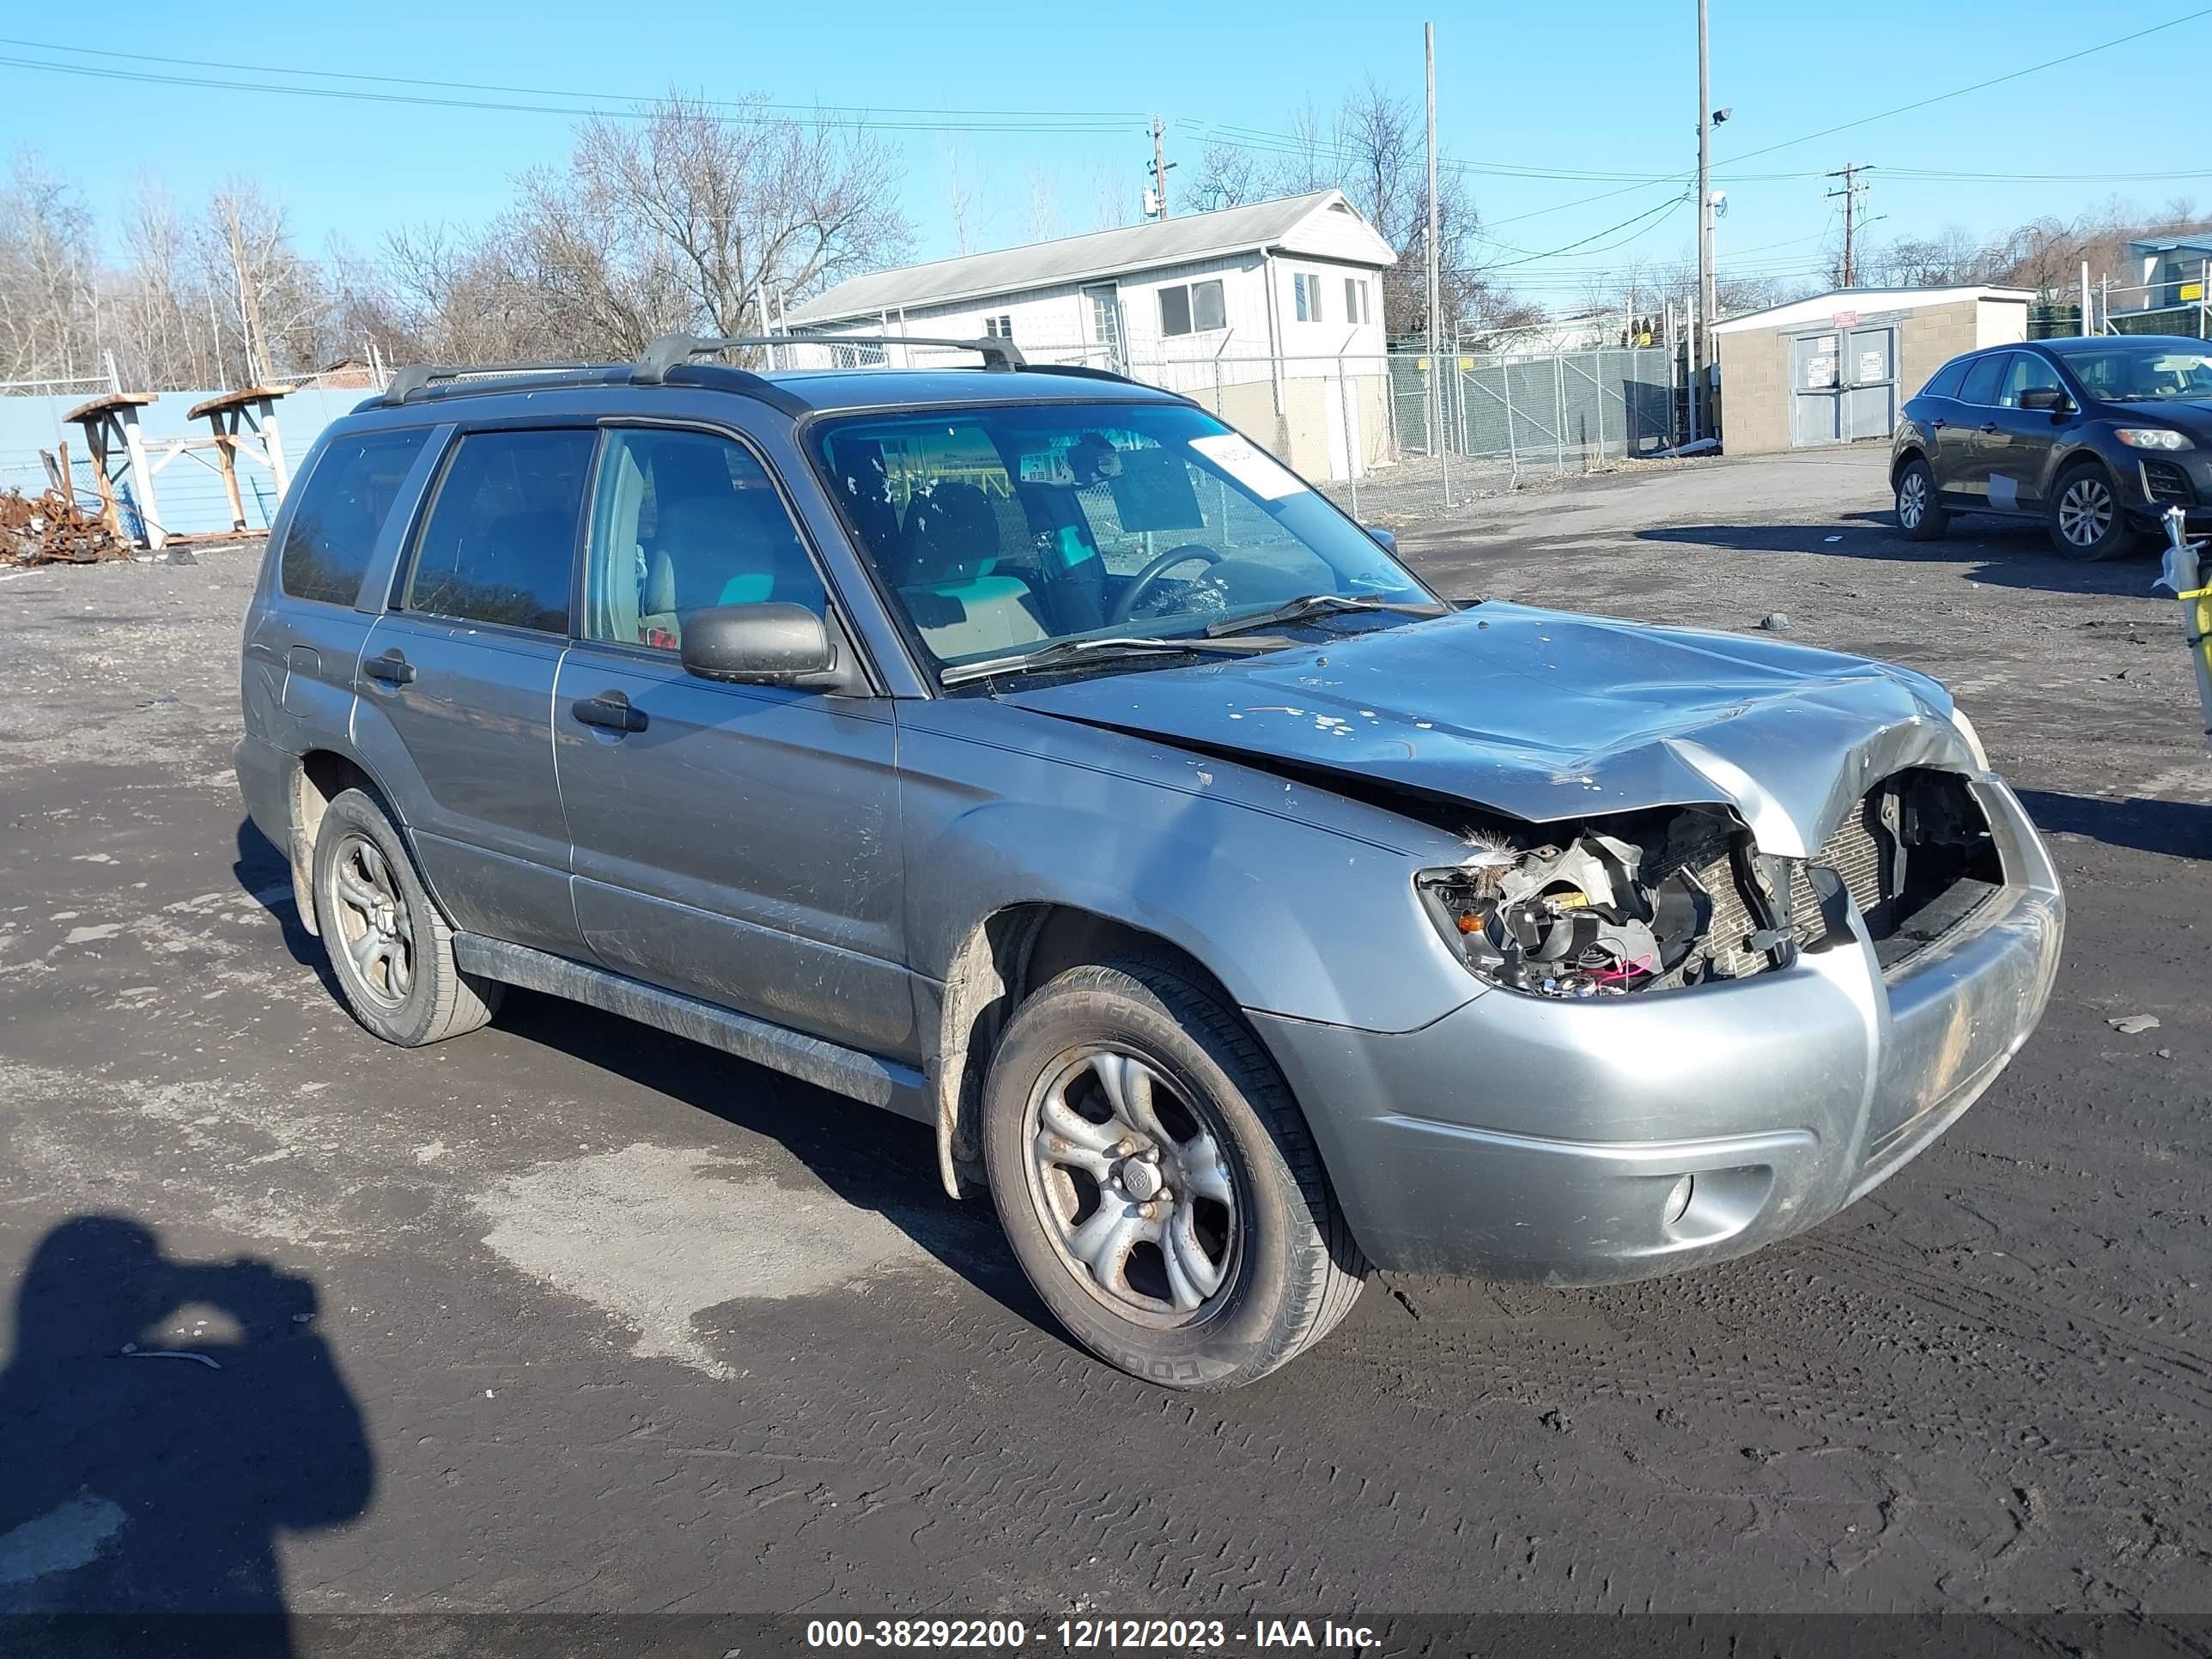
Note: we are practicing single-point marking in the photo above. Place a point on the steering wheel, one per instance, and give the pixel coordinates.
(1143, 582)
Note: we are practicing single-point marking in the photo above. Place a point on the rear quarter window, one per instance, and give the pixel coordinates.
(1945, 381)
(343, 506)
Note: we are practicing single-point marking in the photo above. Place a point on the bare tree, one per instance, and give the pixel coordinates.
(49, 321)
(687, 219)
(1044, 206)
(1228, 176)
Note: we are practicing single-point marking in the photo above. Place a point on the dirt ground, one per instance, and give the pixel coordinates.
(569, 1317)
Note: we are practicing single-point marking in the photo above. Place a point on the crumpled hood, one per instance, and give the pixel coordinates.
(1544, 715)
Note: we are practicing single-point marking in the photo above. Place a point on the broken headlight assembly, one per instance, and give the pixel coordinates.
(1657, 902)
(1654, 900)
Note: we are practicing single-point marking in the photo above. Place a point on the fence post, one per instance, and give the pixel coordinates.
(1558, 417)
(1601, 406)
(1351, 434)
(1512, 443)
(1443, 434)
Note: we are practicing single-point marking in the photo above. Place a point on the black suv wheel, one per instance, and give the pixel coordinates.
(2087, 518)
(1919, 514)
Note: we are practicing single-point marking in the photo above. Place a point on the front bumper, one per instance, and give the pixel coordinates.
(1524, 1137)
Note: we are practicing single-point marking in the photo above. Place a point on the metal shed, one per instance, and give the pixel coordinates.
(1836, 367)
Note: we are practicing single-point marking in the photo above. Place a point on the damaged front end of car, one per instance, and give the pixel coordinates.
(1666, 898)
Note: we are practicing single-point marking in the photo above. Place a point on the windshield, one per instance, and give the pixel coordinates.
(1004, 529)
(2139, 371)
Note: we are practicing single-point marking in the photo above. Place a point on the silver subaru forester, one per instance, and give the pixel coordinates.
(1026, 751)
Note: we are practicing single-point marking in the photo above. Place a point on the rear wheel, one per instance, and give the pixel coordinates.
(2086, 519)
(1158, 1184)
(1919, 514)
(389, 946)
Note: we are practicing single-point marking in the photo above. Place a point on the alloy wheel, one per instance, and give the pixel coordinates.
(2085, 511)
(375, 930)
(1133, 1186)
(1911, 500)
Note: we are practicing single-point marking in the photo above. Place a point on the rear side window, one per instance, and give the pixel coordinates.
(501, 536)
(343, 506)
(1944, 383)
(1981, 385)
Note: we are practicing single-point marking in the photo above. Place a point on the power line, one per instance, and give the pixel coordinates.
(1978, 86)
(1030, 122)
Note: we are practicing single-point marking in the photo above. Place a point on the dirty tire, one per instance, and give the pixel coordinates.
(1295, 1271)
(408, 990)
(1919, 515)
(2086, 518)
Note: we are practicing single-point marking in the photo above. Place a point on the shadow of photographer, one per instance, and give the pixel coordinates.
(160, 1423)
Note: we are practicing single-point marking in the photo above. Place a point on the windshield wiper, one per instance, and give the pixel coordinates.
(1065, 651)
(1319, 605)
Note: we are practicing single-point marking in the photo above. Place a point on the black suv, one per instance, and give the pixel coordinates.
(2097, 437)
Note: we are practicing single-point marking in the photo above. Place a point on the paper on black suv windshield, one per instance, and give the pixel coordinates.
(1249, 464)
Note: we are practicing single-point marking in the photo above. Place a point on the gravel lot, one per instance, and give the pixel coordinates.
(608, 1322)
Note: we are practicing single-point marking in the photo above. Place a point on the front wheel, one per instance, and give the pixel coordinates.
(2086, 519)
(1919, 514)
(1157, 1182)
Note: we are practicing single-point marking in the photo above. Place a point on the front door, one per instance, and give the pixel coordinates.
(1104, 304)
(461, 674)
(2017, 454)
(734, 842)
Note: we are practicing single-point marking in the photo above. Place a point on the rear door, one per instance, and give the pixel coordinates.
(1962, 465)
(2018, 453)
(734, 842)
(460, 674)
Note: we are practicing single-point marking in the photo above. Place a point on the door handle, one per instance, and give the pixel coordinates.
(392, 668)
(1988, 426)
(1938, 425)
(610, 711)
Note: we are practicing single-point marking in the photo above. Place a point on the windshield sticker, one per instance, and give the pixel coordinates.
(1050, 467)
(1250, 465)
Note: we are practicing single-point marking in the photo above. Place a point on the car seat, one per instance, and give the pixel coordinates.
(949, 548)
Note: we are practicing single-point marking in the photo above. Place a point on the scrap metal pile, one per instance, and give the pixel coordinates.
(51, 529)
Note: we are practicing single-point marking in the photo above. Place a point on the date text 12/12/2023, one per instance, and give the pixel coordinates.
(1085, 1635)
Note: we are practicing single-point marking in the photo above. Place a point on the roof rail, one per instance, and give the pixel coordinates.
(665, 353)
(1084, 371)
(418, 377)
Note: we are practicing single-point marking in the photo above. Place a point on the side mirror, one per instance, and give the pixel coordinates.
(1387, 539)
(770, 643)
(2046, 397)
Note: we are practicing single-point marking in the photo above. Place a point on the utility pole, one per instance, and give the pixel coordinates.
(1703, 322)
(1435, 270)
(1160, 169)
(1851, 191)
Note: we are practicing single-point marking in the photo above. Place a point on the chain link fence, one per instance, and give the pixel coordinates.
(1397, 435)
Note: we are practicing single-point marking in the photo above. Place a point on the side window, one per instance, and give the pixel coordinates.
(1174, 310)
(343, 503)
(501, 537)
(1207, 311)
(1981, 386)
(684, 520)
(2028, 372)
(1945, 382)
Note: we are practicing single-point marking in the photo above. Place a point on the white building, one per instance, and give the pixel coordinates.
(1270, 314)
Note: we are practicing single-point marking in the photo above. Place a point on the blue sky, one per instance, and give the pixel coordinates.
(1602, 89)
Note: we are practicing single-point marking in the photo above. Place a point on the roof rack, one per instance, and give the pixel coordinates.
(652, 366)
(419, 377)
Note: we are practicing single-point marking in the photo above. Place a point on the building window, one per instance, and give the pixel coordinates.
(1355, 301)
(1305, 288)
(1192, 307)
(1000, 327)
